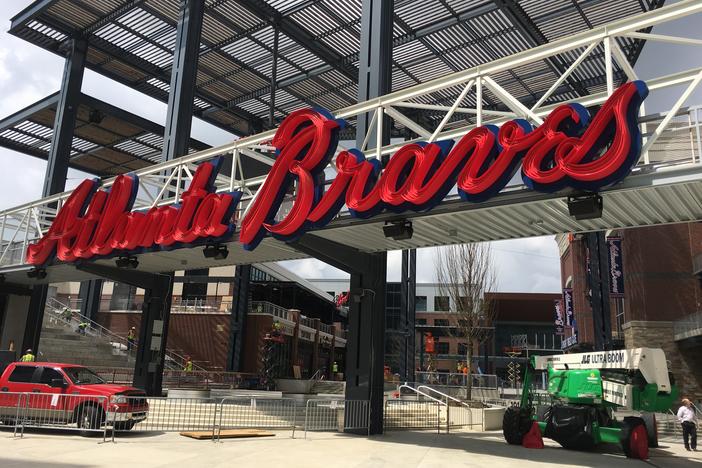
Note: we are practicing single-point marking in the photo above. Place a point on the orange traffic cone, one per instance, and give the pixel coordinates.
(533, 439)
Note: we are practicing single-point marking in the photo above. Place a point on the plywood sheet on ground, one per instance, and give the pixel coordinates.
(228, 434)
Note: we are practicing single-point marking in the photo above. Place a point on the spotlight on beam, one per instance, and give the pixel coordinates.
(130, 263)
(216, 251)
(37, 273)
(586, 206)
(398, 230)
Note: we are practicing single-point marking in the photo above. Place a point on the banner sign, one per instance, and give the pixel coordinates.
(568, 306)
(568, 150)
(616, 268)
(558, 317)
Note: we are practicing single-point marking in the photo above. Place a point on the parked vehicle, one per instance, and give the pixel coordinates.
(65, 394)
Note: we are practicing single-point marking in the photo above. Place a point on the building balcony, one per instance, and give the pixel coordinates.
(688, 327)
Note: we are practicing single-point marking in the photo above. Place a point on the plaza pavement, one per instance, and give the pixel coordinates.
(405, 449)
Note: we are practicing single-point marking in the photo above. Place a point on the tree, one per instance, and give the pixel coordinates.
(465, 275)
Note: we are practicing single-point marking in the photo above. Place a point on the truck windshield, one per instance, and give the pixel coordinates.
(83, 376)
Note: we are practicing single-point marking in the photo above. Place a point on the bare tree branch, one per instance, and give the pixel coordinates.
(465, 275)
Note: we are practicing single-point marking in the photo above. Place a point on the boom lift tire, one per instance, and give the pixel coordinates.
(634, 438)
(515, 424)
(649, 420)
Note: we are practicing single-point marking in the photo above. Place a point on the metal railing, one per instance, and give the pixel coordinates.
(412, 414)
(83, 413)
(237, 413)
(179, 379)
(59, 314)
(456, 379)
(264, 307)
(599, 46)
(337, 415)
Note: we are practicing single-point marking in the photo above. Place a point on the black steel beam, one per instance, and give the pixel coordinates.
(89, 294)
(598, 275)
(176, 137)
(237, 321)
(65, 120)
(300, 35)
(519, 18)
(35, 318)
(156, 311)
(408, 291)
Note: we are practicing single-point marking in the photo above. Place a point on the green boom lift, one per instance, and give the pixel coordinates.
(583, 391)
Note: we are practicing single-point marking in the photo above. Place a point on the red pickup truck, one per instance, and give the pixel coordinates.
(62, 394)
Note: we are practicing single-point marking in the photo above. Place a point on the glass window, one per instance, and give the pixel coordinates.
(441, 322)
(441, 303)
(83, 376)
(22, 374)
(420, 321)
(48, 375)
(442, 348)
(420, 303)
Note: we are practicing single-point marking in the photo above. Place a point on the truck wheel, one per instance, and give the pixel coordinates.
(89, 419)
(634, 438)
(651, 424)
(515, 424)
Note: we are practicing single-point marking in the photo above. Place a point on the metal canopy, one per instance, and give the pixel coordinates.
(132, 42)
(107, 140)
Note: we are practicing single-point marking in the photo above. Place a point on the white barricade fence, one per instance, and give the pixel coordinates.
(411, 414)
(238, 413)
(337, 415)
(87, 414)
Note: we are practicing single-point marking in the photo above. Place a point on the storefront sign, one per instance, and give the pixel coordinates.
(567, 150)
(568, 306)
(616, 268)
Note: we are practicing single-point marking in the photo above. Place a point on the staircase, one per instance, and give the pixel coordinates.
(328, 387)
(61, 344)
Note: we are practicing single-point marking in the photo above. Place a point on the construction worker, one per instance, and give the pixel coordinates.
(28, 356)
(335, 370)
(131, 337)
(82, 326)
(188, 367)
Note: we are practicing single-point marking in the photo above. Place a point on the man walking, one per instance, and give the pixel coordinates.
(688, 420)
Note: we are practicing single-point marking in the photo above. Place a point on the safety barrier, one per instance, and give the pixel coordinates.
(337, 415)
(255, 413)
(84, 413)
(408, 414)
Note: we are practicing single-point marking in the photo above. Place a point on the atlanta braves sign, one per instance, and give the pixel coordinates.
(569, 150)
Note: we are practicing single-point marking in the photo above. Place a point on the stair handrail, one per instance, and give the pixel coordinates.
(173, 356)
(419, 392)
(448, 397)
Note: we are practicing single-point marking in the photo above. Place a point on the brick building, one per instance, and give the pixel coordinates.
(661, 302)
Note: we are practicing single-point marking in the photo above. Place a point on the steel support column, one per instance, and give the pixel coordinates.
(237, 321)
(89, 295)
(153, 333)
(408, 291)
(375, 65)
(599, 289)
(57, 167)
(365, 344)
(183, 79)
(274, 79)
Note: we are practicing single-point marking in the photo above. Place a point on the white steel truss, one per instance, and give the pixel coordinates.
(674, 140)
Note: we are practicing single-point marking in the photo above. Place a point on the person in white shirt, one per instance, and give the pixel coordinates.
(688, 420)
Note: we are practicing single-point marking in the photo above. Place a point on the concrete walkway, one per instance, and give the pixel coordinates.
(329, 450)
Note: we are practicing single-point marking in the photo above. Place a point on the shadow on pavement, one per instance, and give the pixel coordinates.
(604, 456)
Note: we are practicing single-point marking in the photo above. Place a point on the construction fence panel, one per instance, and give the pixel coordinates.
(258, 413)
(168, 415)
(410, 414)
(337, 415)
(84, 413)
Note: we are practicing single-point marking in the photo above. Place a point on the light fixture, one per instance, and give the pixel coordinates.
(216, 251)
(398, 230)
(38, 273)
(585, 206)
(130, 263)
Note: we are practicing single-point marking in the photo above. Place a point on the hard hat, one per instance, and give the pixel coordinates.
(28, 351)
